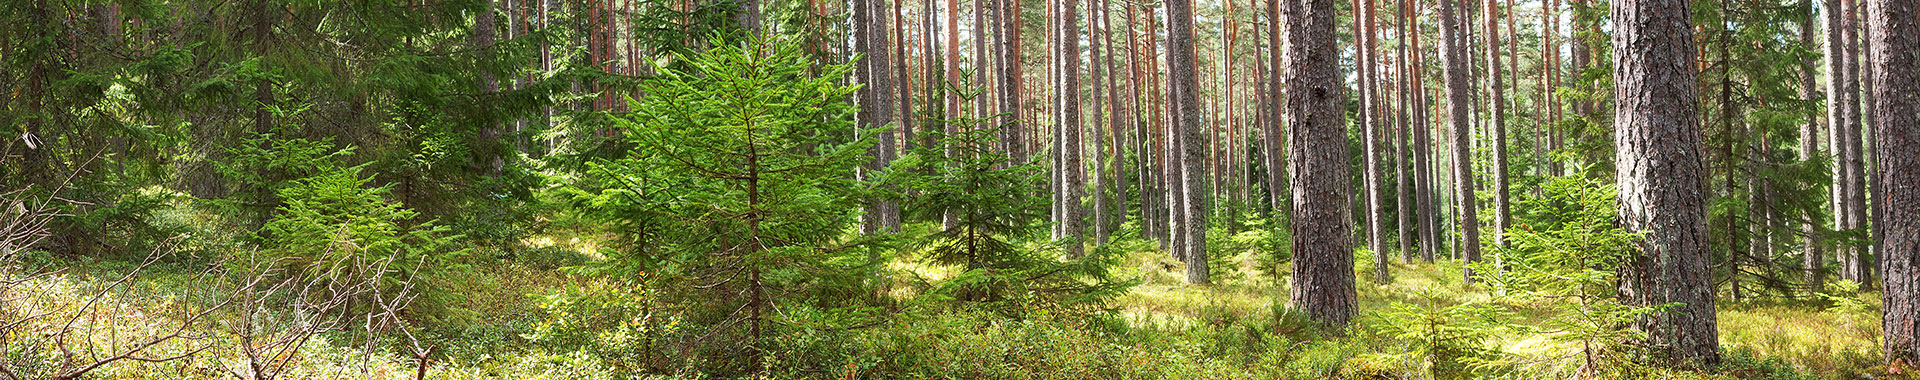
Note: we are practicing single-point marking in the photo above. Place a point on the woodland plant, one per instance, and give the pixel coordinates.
(735, 196)
(1447, 341)
(331, 225)
(993, 207)
(1561, 255)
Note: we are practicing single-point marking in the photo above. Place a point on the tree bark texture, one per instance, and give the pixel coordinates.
(1184, 80)
(1371, 129)
(1454, 64)
(1894, 40)
(1322, 280)
(1662, 179)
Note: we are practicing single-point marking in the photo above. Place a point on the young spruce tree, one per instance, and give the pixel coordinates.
(737, 191)
(994, 206)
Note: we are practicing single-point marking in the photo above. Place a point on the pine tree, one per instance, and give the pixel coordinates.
(1454, 57)
(1322, 283)
(1067, 127)
(1189, 154)
(1662, 193)
(1892, 39)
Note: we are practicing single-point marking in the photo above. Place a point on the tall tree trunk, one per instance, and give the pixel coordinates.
(1184, 81)
(1007, 36)
(1150, 223)
(1502, 217)
(1322, 284)
(950, 220)
(1856, 166)
(1067, 125)
(1893, 39)
(1661, 179)
(1403, 147)
(491, 160)
(982, 105)
(748, 17)
(1102, 203)
(1454, 60)
(1424, 167)
(903, 130)
(875, 99)
(1813, 261)
(1276, 144)
(1552, 82)
(1117, 149)
(1837, 101)
(1842, 110)
(1173, 138)
(1370, 128)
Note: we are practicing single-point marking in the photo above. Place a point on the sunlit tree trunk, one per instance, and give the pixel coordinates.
(1661, 179)
(1276, 142)
(1496, 94)
(1371, 132)
(1102, 203)
(1322, 281)
(1403, 146)
(1813, 261)
(1424, 167)
(1184, 82)
(875, 98)
(1893, 39)
(1454, 65)
(1067, 127)
(1116, 152)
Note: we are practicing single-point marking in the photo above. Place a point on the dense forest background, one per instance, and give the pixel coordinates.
(479, 189)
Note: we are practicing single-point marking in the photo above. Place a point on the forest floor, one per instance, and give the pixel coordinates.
(1829, 338)
(1234, 325)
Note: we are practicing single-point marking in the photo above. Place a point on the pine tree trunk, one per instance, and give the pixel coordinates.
(1660, 174)
(1172, 151)
(748, 17)
(1322, 280)
(1184, 81)
(1856, 166)
(949, 220)
(875, 99)
(1117, 151)
(491, 160)
(1454, 60)
(902, 130)
(1150, 223)
(1276, 145)
(1837, 101)
(1403, 146)
(1502, 216)
(1067, 125)
(1893, 39)
(982, 100)
(1371, 131)
(1813, 261)
(1552, 82)
(1008, 66)
(1424, 168)
(1102, 203)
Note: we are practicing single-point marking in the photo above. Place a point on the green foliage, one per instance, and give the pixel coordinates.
(619, 322)
(1563, 252)
(1447, 341)
(335, 228)
(266, 164)
(735, 195)
(992, 202)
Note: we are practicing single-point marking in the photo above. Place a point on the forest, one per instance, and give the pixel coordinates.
(959, 189)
